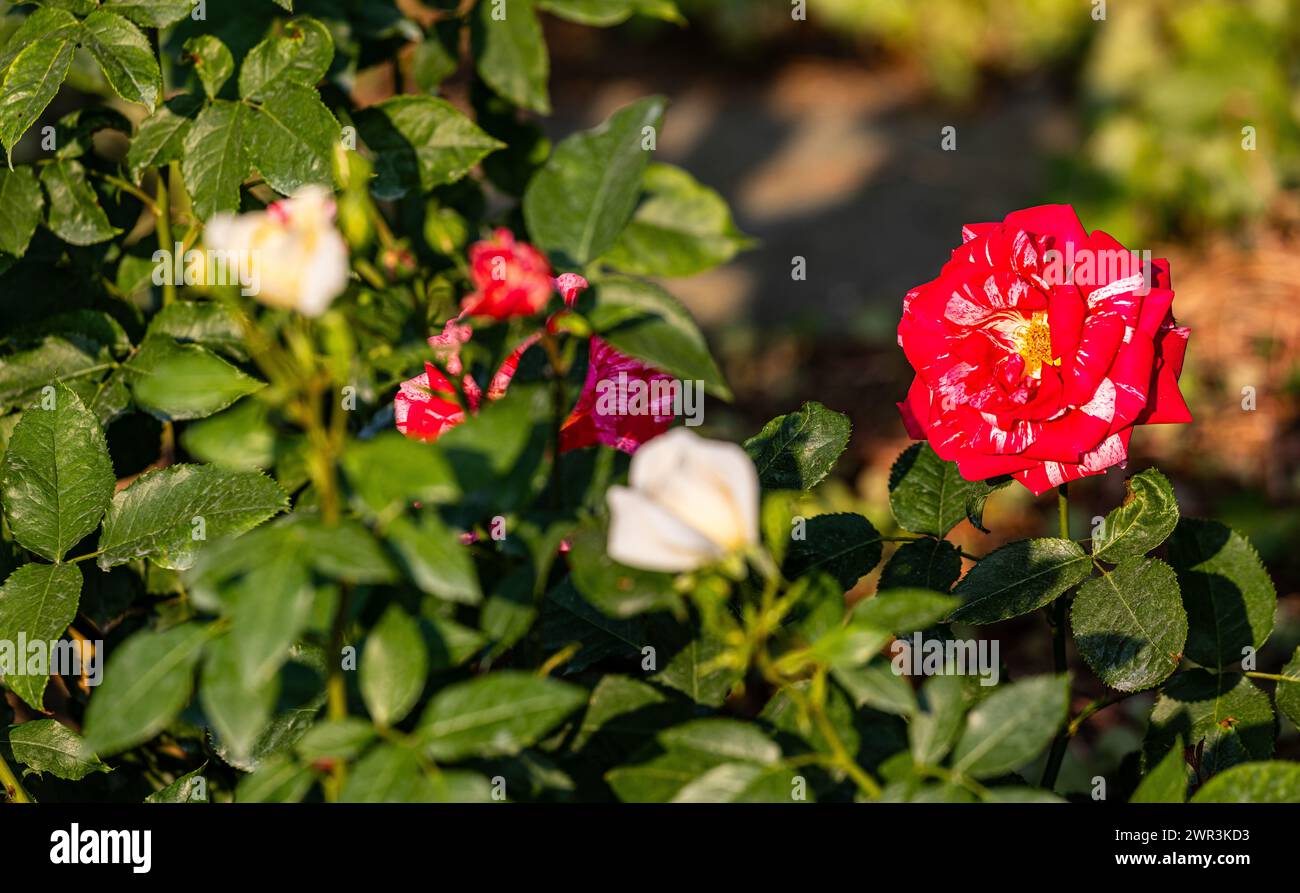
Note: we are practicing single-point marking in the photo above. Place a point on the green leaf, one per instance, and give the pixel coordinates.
(301, 56)
(1287, 694)
(681, 228)
(616, 590)
(692, 666)
(1012, 726)
(215, 161)
(277, 780)
(796, 451)
(152, 13)
(38, 601)
(209, 323)
(157, 516)
(160, 138)
(56, 358)
(604, 13)
(175, 381)
(1147, 516)
(394, 774)
(494, 715)
(75, 132)
(844, 545)
(240, 437)
(904, 610)
(934, 730)
(584, 195)
(23, 202)
(420, 142)
(291, 138)
(125, 56)
(1273, 781)
(74, 213)
(644, 321)
(32, 78)
(432, 63)
(147, 682)
(390, 471)
(1167, 782)
(189, 788)
(923, 564)
(877, 686)
(929, 495)
(622, 714)
(1018, 578)
(56, 477)
(342, 739)
(435, 558)
(690, 752)
(1229, 597)
(46, 745)
(238, 706)
(270, 607)
(568, 618)
(393, 667)
(1224, 715)
(1129, 624)
(510, 52)
(212, 62)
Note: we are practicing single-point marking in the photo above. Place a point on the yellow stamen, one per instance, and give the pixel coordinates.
(1034, 343)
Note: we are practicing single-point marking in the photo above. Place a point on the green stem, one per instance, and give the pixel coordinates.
(1056, 617)
(1275, 677)
(164, 227)
(13, 787)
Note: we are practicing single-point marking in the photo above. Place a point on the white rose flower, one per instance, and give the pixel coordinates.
(298, 259)
(690, 502)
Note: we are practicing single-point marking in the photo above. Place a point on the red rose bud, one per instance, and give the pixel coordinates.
(1039, 348)
(510, 278)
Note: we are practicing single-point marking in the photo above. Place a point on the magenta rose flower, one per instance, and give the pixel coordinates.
(1039, 348)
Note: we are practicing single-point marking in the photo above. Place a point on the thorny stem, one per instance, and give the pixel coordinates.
(12, 786)
(1057, 621)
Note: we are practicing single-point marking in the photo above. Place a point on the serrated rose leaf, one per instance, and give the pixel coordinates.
(1145, 520)
(584, 195)
(1230, 600)
(1129, 624)
(147, 682)
(46, 745)
(174, 381)
(56, 477)
(159, 515)
(494, 715)
(1011, 726)
(1019, 578)
(37, 602)
(797, 451)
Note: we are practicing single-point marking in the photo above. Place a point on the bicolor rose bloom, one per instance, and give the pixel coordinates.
(608, 411)
(689, 502)
(510, 278)
(426, 406)
(300, 257)
(1039, 348)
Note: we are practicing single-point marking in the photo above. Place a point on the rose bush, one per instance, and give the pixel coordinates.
(334, 466)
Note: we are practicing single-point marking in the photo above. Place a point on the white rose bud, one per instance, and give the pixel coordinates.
(690, 502)
(299, 259)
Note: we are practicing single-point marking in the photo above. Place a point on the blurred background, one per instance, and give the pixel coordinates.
(1174, 125)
